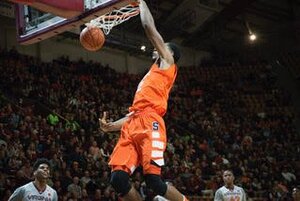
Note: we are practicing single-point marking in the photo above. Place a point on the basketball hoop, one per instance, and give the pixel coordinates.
(108, 21)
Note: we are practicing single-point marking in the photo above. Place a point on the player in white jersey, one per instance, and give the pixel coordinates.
(229, 192)
(37, 190)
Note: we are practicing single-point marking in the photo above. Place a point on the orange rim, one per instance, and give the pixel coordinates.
(135, 4)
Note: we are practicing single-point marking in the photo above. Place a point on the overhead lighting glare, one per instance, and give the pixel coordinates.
(252, 37)
(143, 48)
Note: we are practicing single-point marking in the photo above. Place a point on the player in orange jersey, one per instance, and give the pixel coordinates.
(143, 137)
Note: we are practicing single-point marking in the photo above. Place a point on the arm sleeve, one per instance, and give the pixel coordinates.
(218, 195)
(17, 195)
(244, 195)
(55, 198)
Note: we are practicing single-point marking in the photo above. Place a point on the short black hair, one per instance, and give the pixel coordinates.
(228, 170)
(40, 161)
(176, 51)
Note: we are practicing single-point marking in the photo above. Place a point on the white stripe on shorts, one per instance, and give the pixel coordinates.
(155, 134)
(158, 144)
(132, 169)
(157, 154)
(159, 162)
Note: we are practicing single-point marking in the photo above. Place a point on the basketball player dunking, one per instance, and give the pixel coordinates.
(143, 137)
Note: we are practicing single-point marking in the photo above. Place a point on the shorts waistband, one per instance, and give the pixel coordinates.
(141, 112)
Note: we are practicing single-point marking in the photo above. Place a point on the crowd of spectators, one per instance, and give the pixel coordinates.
(226, 116)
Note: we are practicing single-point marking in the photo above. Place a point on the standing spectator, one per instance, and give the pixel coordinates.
(288, 176)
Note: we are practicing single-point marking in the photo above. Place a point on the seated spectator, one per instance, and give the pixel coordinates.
(74, 189)
(288, 176)
(52, 118)
(94, 150)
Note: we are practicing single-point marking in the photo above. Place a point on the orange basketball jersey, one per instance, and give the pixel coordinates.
(153, 90)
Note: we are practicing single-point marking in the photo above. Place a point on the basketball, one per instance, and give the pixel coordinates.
(92, 38)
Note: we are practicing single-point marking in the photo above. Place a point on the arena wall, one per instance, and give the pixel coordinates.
(55, 47)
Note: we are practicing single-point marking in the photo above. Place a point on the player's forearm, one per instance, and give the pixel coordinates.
(146, 17)
(117, 125)
(62, 8)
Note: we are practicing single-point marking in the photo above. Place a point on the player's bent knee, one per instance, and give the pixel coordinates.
(156, 184)
(120, 182)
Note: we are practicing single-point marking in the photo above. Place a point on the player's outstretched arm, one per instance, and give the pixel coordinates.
(153, 35)
(111, 126)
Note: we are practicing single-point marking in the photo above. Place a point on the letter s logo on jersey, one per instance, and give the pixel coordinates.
(155, 126)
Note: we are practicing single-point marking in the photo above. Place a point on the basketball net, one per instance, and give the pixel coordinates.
(108, 21)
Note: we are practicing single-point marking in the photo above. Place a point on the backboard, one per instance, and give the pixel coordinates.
(34, 26)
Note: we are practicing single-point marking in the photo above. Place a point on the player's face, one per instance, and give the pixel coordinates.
(43, 172)
(228, 177)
